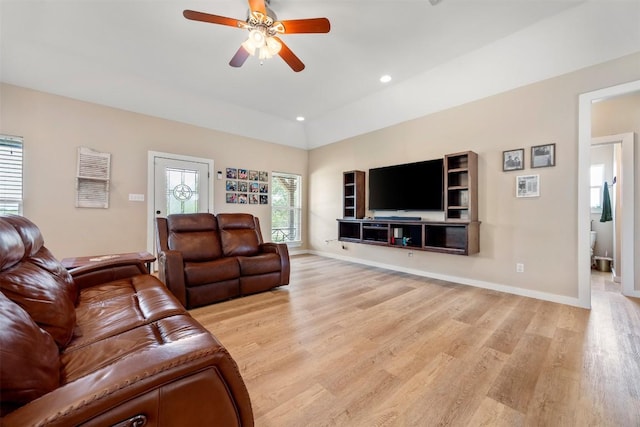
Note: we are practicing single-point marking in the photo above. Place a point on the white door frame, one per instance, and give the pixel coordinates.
(584, 210)
(151, 215)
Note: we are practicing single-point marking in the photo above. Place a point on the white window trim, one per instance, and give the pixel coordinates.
(599, 187)
(20, 201)
(298, 242)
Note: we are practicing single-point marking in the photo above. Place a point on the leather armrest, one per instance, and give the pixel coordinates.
(283, 251)
(106, 271)
(196, 374)
(170, 270)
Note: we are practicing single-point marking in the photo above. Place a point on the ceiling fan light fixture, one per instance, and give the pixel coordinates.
(273, 46)
(264, 53)
(267, 47)
(249, 46)
(257, 37)
(264, 28)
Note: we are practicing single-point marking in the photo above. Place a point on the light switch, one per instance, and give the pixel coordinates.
(136, 197)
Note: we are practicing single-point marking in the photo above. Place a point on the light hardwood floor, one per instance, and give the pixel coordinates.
(350, 345)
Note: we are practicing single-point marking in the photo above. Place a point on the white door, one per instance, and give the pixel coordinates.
(177, 184)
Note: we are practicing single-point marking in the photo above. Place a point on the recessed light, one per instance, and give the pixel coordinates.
(300, 119)
(385, 79)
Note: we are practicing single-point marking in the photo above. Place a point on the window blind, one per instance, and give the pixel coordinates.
(11, 157)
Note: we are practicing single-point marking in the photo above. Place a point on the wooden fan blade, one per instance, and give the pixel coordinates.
(290, 57)
(313, 25)
(258, 6)
(213, 19)
(239, 58)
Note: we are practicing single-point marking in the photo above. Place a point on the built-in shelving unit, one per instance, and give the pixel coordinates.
(353, 194)
(461, 186)
(458, 237)
(458, 234)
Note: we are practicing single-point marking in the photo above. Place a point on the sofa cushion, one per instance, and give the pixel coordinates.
(78, 362)
(194, 235)
(38, 283)
(36, 253)
(11, 246)
(201, 273)
(238, 234)
(42, 297)
(259, 264)
(112, 308)
(29, 233)
(29, 359)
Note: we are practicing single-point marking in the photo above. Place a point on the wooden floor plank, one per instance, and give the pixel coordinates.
(351, 345)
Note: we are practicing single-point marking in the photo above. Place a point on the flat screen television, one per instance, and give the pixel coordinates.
(408, 187)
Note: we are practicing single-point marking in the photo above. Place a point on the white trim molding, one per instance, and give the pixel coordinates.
(584, 211)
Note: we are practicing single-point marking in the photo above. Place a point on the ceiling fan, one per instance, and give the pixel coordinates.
(263, 28)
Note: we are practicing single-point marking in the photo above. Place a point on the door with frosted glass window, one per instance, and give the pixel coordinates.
(181, 186)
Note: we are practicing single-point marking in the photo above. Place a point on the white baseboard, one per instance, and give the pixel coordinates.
(561, 299)
(298, 252)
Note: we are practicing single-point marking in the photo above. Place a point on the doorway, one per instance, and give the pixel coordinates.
(176, 184)
(584, 211)
(606, 215)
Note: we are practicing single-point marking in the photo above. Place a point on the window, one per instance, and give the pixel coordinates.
(10, 174)
(182, 190)
(286, 208)
(597, 178)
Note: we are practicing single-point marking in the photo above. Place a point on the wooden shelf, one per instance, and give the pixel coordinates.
(460, 238)
(461, 186)
(353, 194)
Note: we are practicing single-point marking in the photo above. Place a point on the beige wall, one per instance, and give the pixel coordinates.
(53, 127)
(539, 232)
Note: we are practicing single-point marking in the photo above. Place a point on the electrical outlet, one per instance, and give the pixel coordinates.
(410, 254)
(519, 267)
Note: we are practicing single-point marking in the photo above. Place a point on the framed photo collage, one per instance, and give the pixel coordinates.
(247, 187)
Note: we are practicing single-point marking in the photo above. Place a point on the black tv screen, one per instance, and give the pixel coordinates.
(407, 187)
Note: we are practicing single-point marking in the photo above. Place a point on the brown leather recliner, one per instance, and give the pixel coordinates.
(105, 344)
(205, 258)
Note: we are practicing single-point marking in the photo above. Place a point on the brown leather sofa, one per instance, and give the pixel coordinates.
(104, 345)
(204, 258)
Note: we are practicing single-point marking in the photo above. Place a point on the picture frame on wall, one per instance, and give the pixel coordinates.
(528, 186)
(246, 186)
(513, 160)
(543, 156)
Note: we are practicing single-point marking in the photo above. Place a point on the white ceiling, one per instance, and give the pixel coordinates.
(143, 56)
